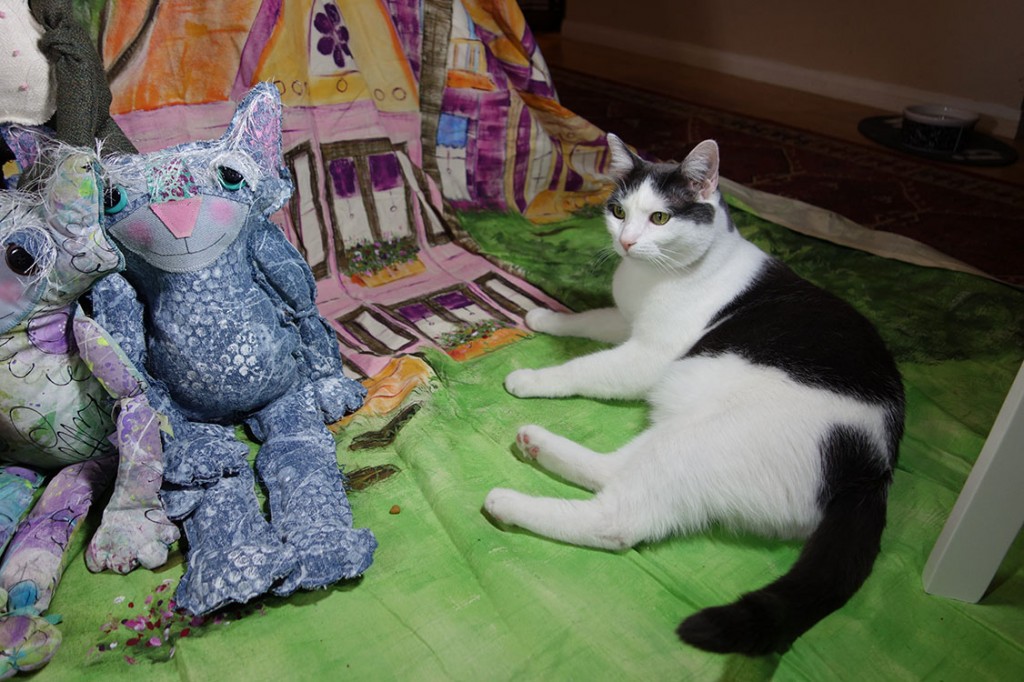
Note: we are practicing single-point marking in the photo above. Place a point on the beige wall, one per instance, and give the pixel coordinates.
(970, 51)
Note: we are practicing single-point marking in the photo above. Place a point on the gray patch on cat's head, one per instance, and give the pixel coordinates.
(685, 187)
(669, 181)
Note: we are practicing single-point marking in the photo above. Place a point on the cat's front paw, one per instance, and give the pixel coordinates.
(502, 505)
(526, 383)
(541, 320)
(528, 442)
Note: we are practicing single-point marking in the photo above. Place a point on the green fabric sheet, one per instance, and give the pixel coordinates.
(452, 597)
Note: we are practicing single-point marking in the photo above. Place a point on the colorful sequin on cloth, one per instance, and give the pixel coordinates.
(150, 628)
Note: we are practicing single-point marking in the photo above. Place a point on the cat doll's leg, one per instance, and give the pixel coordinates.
(17, 491)
(602, 324)
(234, 554)
(35, 559)
(566, 458)
(298, 464)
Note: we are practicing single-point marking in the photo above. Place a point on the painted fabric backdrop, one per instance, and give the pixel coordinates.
(397, 114)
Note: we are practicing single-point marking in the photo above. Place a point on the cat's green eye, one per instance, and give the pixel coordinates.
(617, 211)
(660, 217)
(230, 179)
(115, 200)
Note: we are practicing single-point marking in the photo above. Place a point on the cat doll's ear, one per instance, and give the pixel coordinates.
(256, 128)
(25, 144)
(700, 168)
(622, 160)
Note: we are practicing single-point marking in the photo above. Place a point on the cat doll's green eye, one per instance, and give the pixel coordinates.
(114, 200)
(230, 179)
(659, 217)
(617, 211)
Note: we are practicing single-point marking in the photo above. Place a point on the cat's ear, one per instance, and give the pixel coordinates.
(622, 160)
(700, 168)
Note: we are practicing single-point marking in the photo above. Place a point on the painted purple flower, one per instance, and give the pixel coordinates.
(335, 34)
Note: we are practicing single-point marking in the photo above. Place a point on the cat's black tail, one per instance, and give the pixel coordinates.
(834, 563)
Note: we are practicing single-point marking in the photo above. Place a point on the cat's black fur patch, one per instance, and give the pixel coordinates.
(833, 564)
(818, 339)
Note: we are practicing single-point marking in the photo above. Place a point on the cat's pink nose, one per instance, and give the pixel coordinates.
(179, 216)
(626, 244)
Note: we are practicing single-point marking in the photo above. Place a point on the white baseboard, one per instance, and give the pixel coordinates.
(997, 119)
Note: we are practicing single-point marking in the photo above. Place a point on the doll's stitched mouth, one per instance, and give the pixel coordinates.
(187, 251)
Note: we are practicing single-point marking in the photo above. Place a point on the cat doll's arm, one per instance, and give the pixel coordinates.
(601, 324)
(134, 530)
(287, 279)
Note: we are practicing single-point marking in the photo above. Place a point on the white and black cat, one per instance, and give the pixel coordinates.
(775, 406)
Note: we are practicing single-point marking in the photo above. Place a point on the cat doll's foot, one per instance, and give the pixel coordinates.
(131, 537)
(234, 554)
(27, 642)
(326, 554)
(311, 514)
(217, 576)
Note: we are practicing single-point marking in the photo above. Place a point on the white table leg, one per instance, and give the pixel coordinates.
(989, 512)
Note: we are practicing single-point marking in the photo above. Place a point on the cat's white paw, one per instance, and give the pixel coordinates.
(520, 383)
(541, 320)
(528, 441)
(501, 504)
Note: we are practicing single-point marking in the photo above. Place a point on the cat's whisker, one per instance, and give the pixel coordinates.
(603, 256)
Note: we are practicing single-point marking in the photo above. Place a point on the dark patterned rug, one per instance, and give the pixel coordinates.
(972, 218)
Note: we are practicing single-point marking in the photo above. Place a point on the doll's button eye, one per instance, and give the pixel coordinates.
(230, 179)
(114, 200)
(20, 261)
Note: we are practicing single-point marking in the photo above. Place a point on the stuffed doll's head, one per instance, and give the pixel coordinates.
(53, 243)
(180, 208)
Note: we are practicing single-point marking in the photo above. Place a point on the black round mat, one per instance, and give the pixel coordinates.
(979, 150)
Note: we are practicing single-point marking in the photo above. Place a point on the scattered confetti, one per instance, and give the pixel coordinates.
(153, 632)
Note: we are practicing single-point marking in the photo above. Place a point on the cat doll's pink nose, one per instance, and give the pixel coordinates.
(179, 216)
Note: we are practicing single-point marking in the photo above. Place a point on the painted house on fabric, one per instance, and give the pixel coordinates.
(388, 104)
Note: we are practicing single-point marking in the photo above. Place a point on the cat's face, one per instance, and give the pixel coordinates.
(53, 243)
(664, 214)
(180, 208)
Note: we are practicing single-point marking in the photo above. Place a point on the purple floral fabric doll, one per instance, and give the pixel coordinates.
(61, 380)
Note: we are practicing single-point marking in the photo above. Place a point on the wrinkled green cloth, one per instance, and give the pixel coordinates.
(451, 597)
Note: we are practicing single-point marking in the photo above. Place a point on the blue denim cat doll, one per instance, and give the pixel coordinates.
(219, 309)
